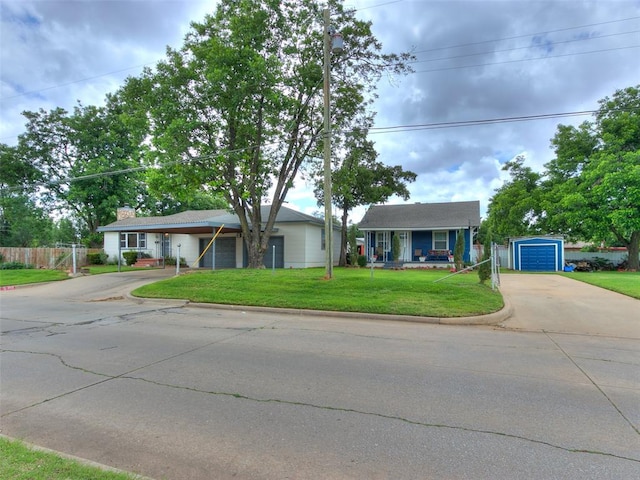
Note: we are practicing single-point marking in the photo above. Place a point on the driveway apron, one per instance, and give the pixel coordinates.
(554, 303)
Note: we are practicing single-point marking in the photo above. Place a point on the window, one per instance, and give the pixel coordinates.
(133, 240)
(322, 240)
(440, 241)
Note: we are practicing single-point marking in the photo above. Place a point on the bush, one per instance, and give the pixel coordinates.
(130, 257)
(99, 258)
(172, 261)
(15, 266)
(484, 270)
(362, 260)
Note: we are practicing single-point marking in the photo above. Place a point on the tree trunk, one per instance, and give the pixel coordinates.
(343, 239)
(633, 248)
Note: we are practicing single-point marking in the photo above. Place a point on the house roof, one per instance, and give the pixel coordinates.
(422, 216)
(201, 221)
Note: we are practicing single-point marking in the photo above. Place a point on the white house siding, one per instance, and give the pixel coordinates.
(302, 245)
(295, 243)
(111, 243)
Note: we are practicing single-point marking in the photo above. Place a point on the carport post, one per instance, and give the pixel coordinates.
(178, 261)
(119, 251)
(75, 262)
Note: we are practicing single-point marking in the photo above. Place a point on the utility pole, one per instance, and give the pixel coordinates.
(332, 42)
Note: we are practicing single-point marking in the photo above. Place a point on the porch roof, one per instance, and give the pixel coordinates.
(422, 216)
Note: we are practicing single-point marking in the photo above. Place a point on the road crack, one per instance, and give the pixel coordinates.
(592, 381)
(384, 416)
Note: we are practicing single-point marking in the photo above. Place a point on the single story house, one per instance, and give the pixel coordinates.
(297, 240)
(427, 231)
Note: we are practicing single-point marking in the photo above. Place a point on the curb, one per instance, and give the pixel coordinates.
(488, 319)
(82, 461)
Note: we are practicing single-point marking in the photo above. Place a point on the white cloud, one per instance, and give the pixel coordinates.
(85, 49)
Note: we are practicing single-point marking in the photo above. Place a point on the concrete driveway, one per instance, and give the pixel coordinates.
(553, 303)
(174, 391)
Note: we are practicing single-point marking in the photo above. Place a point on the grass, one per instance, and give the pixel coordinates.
(25, 276)
(402, 292)
(98, 269)
(19, 462)
(627, 283)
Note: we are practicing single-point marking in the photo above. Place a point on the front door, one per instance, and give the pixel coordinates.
(405, 246)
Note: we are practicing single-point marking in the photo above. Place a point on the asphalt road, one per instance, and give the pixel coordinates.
(175, 391)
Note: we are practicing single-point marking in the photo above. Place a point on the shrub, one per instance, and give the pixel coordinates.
(395, 247)
(130, 257)
(15, 266)
(458, 250)
(172, 261)
(484, 270)
(99, 258)
(362, 260)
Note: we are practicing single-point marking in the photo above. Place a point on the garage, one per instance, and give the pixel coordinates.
(225, 253)
(274, 253)
(537, 254)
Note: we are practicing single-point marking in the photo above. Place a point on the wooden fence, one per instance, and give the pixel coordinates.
(51, 258)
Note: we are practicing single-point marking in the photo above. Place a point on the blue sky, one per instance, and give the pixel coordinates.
(476, 60)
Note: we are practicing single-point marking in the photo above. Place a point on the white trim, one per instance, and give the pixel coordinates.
(552, 244)
(433, 239)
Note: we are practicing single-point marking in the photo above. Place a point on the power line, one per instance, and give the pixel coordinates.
(526, 35)
(471, 123)
(523, 48)
(22, 94)
(363, 8)
(373, 130)
(526, 59)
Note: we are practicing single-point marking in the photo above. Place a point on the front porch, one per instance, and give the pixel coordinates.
(411, 264)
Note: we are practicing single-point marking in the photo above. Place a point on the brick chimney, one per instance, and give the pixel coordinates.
(125, 212)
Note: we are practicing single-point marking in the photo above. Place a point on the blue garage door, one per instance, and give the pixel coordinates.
(225, 249)
(268, 259)
(538, 258)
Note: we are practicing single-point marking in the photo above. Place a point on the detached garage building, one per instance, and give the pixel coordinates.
(536, 254)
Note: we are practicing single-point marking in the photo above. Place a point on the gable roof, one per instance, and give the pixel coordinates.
(422, 216)
(201, 221)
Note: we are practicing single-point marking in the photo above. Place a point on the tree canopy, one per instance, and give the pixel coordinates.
(590, 190)
(237, 110)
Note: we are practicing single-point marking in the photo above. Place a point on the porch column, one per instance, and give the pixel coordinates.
(119, 250)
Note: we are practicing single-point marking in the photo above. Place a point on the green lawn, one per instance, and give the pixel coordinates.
(403, 292)
(18, 462)
(627, 283)
(97, 269)
(24, 276)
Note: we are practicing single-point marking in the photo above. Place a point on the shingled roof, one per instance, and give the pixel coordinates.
(422, 216)
(196, 221)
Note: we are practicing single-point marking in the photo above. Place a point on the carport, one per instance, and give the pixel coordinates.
(536, 254)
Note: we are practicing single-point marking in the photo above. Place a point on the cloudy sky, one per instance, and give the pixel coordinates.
(477, 61)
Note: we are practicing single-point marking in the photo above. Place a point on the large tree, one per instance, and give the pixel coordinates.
(76, 155)
(238, 108)
(592, 189)
(23, 223)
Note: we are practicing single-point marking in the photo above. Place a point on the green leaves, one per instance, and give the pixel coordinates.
(590, 191)
(238, 108)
